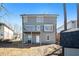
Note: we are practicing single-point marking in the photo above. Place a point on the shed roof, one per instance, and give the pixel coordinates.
(6, 26)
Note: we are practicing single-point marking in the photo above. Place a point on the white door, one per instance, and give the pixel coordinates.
(37, 39)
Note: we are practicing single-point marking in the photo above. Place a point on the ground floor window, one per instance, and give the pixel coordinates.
(29, 41)
(48, 37)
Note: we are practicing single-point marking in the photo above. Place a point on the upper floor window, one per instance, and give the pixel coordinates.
(29, 27)
(39, 19)
(48, 27)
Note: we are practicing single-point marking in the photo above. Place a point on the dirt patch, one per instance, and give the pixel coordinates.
(31, 51)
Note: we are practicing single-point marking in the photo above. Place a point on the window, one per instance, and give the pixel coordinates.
(48, 27)
(39, 19)
(29, 27)
(1, 34)
(29, 37)
(47, 37)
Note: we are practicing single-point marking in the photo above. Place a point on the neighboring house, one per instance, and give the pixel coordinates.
(70, 39)
(6, 32)
(39, 28)
(70, 25)
(17, 36)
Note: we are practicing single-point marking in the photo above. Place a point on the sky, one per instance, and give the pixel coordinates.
(16, 9)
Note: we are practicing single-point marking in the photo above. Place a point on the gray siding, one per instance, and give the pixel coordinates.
(70, 25)
(44, 37)
(49, 20)
(1, 31)
(32, 20)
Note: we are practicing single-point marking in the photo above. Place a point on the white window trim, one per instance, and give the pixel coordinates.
(37, 38)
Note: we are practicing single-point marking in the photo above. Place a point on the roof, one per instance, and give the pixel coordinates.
(39, 15)
(67, 23)
(6, 26)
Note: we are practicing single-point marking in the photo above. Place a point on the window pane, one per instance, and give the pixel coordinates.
(47, 37)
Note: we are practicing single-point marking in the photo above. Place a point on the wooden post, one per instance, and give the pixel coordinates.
(31, 38)
(77, 15)
(65, 23)
(65, 17)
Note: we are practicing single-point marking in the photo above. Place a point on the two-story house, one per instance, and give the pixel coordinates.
(39, 28)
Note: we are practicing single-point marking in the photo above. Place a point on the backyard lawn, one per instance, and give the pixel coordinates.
(27, 50)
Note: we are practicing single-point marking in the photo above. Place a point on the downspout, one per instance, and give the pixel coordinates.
(22, 29)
